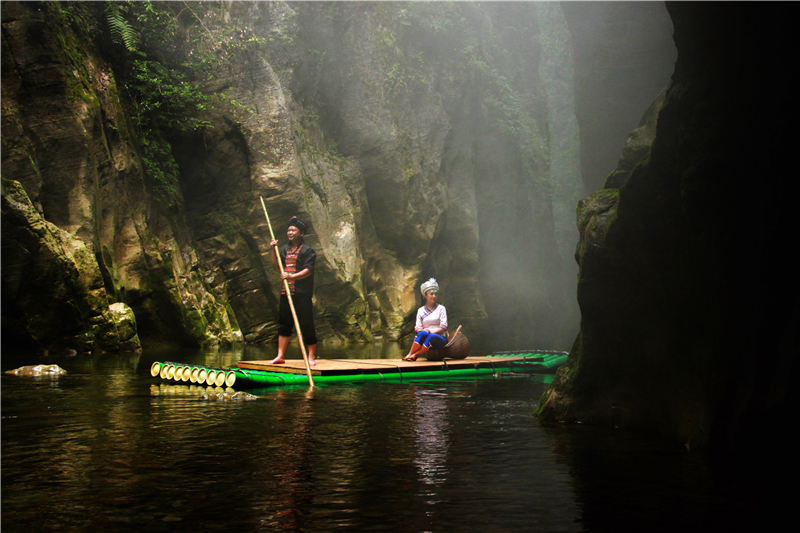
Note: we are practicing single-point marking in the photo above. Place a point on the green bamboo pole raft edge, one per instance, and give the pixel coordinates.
(251, 379)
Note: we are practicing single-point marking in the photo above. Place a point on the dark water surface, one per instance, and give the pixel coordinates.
(108, 448)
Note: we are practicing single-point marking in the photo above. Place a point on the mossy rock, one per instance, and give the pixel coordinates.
(118, 331)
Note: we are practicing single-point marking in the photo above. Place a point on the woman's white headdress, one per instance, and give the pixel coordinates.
(428, 285)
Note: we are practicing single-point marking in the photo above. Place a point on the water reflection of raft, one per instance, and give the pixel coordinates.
(260, 374)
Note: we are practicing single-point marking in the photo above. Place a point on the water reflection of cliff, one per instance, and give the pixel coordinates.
(626, 481)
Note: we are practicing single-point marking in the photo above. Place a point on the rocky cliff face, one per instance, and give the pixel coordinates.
(52, 284)
(624, 56)
(414, 138)
(69, 151)
(419, 140)
(689, 303)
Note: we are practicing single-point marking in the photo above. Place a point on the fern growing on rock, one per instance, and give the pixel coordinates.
(121, 31)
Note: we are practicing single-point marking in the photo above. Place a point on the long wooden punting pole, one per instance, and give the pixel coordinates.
(289, 297)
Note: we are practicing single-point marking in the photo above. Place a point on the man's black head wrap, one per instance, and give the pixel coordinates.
(299, 224)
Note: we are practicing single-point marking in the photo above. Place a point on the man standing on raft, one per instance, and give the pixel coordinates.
(298, 269)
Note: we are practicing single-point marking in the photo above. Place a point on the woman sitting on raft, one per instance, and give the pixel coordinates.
(431, 324)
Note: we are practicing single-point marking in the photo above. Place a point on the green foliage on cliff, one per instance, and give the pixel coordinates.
(164, 102)
(164, 50)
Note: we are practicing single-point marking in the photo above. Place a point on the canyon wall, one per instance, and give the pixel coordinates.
(71, 172)
(418, 140)
(624, 56)
(690, 304)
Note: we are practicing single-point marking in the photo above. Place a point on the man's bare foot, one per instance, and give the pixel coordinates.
(312, 361)
(410, 358)
(278, 361)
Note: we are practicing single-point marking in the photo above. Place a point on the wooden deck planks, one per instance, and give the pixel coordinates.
(334, 367)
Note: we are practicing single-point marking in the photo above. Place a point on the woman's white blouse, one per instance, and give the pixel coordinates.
(435, 319)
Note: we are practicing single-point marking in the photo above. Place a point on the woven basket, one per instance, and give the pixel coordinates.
(457, 348)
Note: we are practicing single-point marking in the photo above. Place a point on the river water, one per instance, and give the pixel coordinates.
(108, 448)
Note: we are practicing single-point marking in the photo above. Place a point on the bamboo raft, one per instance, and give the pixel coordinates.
(261, 374)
